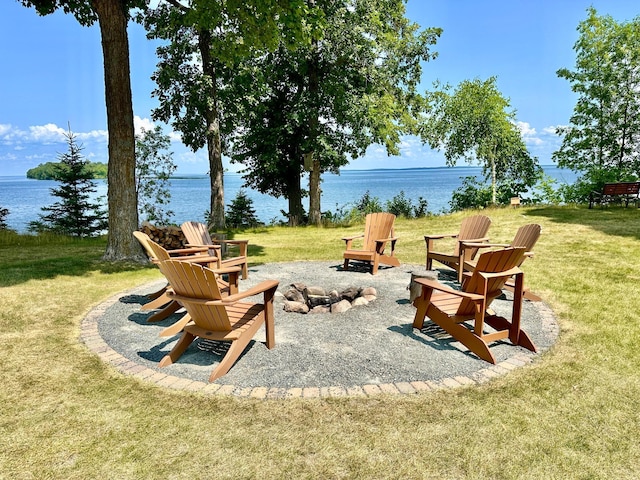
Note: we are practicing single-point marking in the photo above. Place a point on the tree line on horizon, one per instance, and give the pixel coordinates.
(286, 88)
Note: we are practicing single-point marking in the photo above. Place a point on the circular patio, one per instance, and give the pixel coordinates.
(366, 350)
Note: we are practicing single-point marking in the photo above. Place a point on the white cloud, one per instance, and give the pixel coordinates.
(175, 136)
(551, 130)
(4, 129)
(49, 133)
(526, 129)
(142, 124)
(98, 135)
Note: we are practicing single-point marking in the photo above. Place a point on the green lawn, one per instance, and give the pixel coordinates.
(573, 413)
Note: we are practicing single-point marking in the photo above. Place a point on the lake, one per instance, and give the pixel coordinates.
(190, 193)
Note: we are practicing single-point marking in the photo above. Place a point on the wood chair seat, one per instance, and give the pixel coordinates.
(377, 236)
(197, 235)
(215, 317)
(472, 229)
(451, 309)
(165, 303)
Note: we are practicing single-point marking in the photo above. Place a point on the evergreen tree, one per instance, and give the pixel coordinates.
(75, 214)
(3, 215)
(241, 212)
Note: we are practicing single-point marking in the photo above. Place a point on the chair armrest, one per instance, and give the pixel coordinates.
(190, 250)
(262, 287)
(232, 242)
(384, 240)
(435, 285)
(346, 239)
(439, 236)
(226, 270)
(198, 259)
(198, 245)
(510, 272)
(474, 244)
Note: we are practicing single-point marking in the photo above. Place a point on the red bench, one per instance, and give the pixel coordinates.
(623, 191)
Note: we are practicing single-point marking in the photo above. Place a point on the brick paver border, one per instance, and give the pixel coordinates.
(90, 336)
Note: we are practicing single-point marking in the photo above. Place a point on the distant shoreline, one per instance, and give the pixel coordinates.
(186, 176)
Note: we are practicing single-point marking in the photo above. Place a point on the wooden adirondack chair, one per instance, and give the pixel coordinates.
(159, 298)
(472, 229)
(526, 237)
(167, 306)
(449, 308)
(197, 235)
(215, 317)
(378, 231)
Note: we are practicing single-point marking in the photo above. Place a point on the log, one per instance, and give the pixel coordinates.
(169, 237)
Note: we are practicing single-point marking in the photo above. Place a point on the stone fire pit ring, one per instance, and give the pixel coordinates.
(371, 345)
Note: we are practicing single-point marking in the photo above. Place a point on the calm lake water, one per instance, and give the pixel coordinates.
(190, 194)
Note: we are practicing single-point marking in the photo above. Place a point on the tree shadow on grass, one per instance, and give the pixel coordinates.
(611, 220)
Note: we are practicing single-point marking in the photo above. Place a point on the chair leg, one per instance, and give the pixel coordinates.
(156, 294)
(245, 271)
(170, 309)
(467, 338)
(176, 328)
(234, 352)
(156, 303)
(185, 340)
(345, 266)
(375, 264)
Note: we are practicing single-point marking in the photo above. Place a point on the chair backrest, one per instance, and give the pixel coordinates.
(498, 261)
(196, 233)
(527, 236)
(377, 226)
(145, 241)
(196, 285)
(475, 226)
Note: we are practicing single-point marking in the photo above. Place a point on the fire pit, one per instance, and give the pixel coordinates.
(300, 298)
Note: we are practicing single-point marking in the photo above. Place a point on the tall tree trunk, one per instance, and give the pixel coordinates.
(121, 186)
(493, 180)
(214, 142)
(315, 215)
(294, 197)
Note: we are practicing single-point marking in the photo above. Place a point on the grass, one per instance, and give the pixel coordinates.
(571, 414)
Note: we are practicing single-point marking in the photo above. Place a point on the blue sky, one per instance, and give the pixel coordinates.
(52, 76)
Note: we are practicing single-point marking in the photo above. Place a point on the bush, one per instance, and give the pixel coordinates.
(401, 206)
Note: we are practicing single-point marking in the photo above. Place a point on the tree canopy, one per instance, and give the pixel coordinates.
(602, 139)
(319, 105)
(475, 123)
(204, 40)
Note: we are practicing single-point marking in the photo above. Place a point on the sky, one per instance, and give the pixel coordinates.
(52, 77)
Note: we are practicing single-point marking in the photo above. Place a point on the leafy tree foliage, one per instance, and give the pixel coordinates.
(75, 214)
(47, 171)
(112, 17)
(241, 213)
(321, 104)
(473, 123)
(602, 139)
(205, 39)
(154, 167)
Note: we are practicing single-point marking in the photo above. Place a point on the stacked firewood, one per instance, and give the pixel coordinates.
(169, 237)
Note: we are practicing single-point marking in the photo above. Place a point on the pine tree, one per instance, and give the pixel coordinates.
(3, 215)
(75, 214)
(241, 212)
